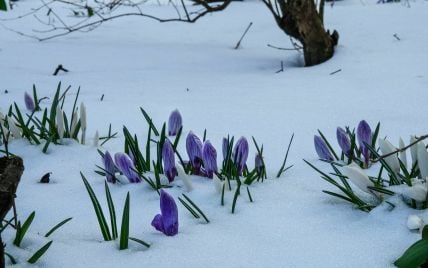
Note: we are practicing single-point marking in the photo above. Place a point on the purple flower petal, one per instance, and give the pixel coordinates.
(169, 160)
(258, 164)
(125, 165)
(209, 157)
(322, 149)
(194, 150)
(29, 102)
(175, 122)
(167, 221)
(225, 148)
(364, 135)
(240, 153)
(109, 167)
(343, 140)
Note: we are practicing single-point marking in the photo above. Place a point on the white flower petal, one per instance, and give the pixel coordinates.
(422, 159)
(413, 150)
(184, 177)
(60, 122)
(414, 222)
(417, 192)
(218, 184)
(403, 156)
(386, 147)
(16, 132)
(357, 177)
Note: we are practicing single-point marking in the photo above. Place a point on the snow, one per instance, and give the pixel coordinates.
(193, 67)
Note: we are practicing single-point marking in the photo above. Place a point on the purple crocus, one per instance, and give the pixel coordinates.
(29, 102)
(240, 153)
(364, 135)
(167, 221)
(169, 161)
(194, 150)
(225, 148)
(175, 122)
(258, 164)
(109, 167)
(322, 149)
(209, 157)
(343, 140)
(125, 165)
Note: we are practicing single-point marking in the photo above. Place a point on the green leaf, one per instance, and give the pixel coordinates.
(22, 230)
(39, 253)
(3, 5)
(425, 232)
(112, 212)
(249, 195)
(189, 208)
(57, 226)
(235, 197)
(98, 210)
(282, 168)
(139, 241)
(11, 258)
(124, 229)
(149, 121)
(414, 256)
(196, 207)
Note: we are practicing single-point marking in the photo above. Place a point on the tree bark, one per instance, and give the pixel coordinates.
(301, 20)
(11, 169)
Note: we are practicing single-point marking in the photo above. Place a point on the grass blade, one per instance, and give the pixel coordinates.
(283, 169)
(22, 230)
(124, 229)
(189, 208)
(249, 195)
(39, 253)
(140, 241)
(112, 212)
(57, 226)
(196, 207)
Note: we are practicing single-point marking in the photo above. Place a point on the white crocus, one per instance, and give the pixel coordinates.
(422, 159)
(83, 122)
(16, 132)
(74, 121)
(417, 192)
(184, 177)
(60, 122)
(403, 156)
(414, 222)
(1, 117)
(413, 150)
(96, 139)
(218, 184)
(357, 177)
(386, 148)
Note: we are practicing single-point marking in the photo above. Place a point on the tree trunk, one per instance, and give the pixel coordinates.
(302, 21)
(11, 169)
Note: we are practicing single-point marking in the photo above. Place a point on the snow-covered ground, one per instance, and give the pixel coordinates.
(193, 67)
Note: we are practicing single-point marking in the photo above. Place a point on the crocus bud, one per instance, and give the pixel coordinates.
(322, 149)
(74, 120)
(423, 160)
(83, 122)
(29, 102)
(169, 160)
(364, 135)
(60, 122)
(209, 157)
(125, 165)
(357, 177)
(240, 152)
(392, 161)
(414, 150)
(109, 167)
(16, 132)
(402, 154)
(343, 140)
(167, 221)
(194, 151)
(414, 222)
(218, 184)
(96, 139)
(258, 164)
(225, 148)
(184, 177)
(175, 122)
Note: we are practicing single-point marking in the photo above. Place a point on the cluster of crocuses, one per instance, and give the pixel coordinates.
(346, 141)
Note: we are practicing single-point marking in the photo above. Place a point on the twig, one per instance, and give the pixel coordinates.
(59, 68)
(335, 72)
(396, 37)
(243, 35)
(282, 48)
(282, 68)
(421, 138)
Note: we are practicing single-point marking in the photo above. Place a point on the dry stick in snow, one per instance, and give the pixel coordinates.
(243, 35)
(421, 138)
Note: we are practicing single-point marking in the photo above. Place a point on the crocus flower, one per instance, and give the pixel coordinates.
(109, 167)
(83, 122)
(343, 140)
(364, 135)
(74, 120)
(414, 150)
(125, 165)
(29, 102)
(14, 129)
(184, 177)
(169, 160)
(167, 221)
(322, 149)
(218, 184)
(209, 157)
(358, 177)
(403, 156)
(96, 139)
(258, 164)
(225, 148)
(240, 153)
(174, 123)
(392, 161)
(417, 191)
(60, 122)
(423, 160)
(194, 150)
